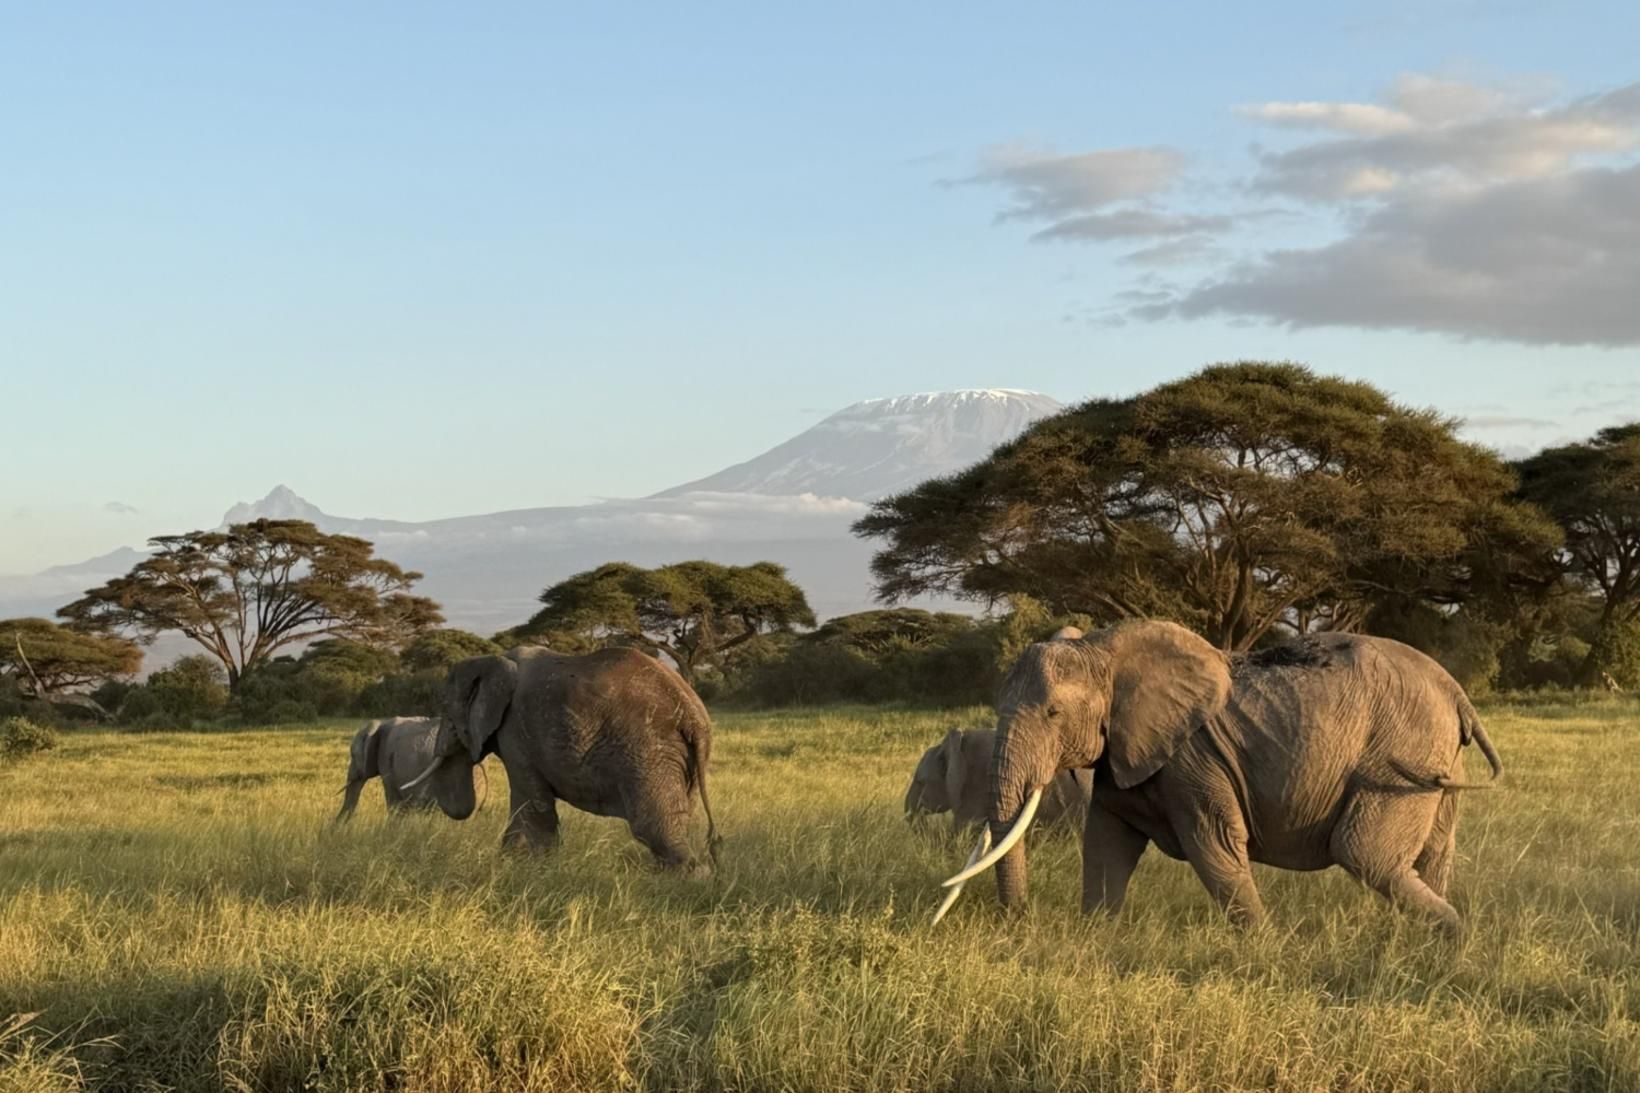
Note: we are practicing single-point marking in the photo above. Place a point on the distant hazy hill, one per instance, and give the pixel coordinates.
(793, 504)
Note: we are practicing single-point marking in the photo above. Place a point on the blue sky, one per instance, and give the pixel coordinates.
(428, 260)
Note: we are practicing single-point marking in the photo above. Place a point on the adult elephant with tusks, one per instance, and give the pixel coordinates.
(1334, 749)
(613, 733)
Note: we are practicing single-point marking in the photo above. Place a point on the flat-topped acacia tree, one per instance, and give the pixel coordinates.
(690, 612)
(54, 664)
(247, 591)
(1244, 498)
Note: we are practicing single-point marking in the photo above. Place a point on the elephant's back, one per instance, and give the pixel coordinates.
(614, 718)
(629, 688)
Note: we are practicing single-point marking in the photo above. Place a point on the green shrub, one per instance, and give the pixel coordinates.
(1616, 654)
(333, 674)
(436, 650)
(332, 679)
(403, 694)
(193, 689)
(21, 738)
(139, 702)
(1548, 661)
(1467, 646)
(270, 688)
(111, 694)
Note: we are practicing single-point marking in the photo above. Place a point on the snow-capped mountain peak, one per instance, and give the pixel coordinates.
(281, 503)
(883, 445)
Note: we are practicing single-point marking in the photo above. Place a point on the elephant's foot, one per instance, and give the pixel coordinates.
(1407, 889)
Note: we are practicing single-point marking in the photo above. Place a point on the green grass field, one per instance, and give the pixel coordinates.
(176, 915)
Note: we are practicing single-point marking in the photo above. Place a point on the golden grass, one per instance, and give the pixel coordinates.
(174, 910)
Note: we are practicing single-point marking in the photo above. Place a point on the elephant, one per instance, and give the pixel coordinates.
(394, 749)
(612, 732)
(955, 776)
(1331, 749)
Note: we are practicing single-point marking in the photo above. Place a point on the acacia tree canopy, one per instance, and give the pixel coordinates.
(1592, 490)
(246, 592)
(46, 660)
(1246, 497)
(693, 612)
(437, 650)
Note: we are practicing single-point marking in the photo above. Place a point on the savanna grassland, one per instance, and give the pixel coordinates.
(175, 914)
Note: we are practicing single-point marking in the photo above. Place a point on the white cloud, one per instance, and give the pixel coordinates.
(120, 508)
(1454, 135)
(1132, 223)
(1045, 185)
(1364, 119)
(1485, 422)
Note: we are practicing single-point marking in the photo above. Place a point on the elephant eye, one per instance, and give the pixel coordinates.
(1053, 711)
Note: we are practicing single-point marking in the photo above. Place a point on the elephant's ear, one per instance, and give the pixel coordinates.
(1165, 682)
(481, 690)
(365, 751)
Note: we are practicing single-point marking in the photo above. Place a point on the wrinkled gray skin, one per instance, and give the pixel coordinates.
(1336, 750)
(614, 733)
(396, 750)
(955, 776)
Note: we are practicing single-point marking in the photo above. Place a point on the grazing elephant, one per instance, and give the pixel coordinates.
(955, 776)
(1335, 749)
(613, 733)
(394, 749)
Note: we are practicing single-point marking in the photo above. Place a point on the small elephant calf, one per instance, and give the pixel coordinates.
(394, 750)
(955, 776)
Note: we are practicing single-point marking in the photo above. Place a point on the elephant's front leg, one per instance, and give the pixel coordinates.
(1110, 851)
(532, 814)
(1214, 840)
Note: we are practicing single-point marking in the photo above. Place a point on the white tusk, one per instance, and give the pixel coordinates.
(1015, 833)
(422, 777)
(980, 847)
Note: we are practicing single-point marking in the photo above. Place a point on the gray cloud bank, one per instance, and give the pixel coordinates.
(1468, 210)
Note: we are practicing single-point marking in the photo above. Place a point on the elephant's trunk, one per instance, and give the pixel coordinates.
(1011, 870)
(1014, 775)
(350, 799)
(913, 799)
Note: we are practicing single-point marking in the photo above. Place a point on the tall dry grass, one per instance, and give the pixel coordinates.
(176, 915)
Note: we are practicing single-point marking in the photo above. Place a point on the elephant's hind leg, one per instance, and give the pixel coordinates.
(1110, 851)
(1434, 863)
(663, 827)
(1380, 837)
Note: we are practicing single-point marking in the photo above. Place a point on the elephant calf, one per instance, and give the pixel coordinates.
(393, 749)
(955, 776)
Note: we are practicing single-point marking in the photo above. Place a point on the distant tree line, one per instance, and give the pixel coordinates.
(1248, 501)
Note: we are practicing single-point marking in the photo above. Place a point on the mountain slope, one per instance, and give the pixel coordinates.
(883, 446)
(793, 504)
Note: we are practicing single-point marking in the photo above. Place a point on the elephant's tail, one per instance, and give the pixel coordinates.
(1469, 723)
(698, 758)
